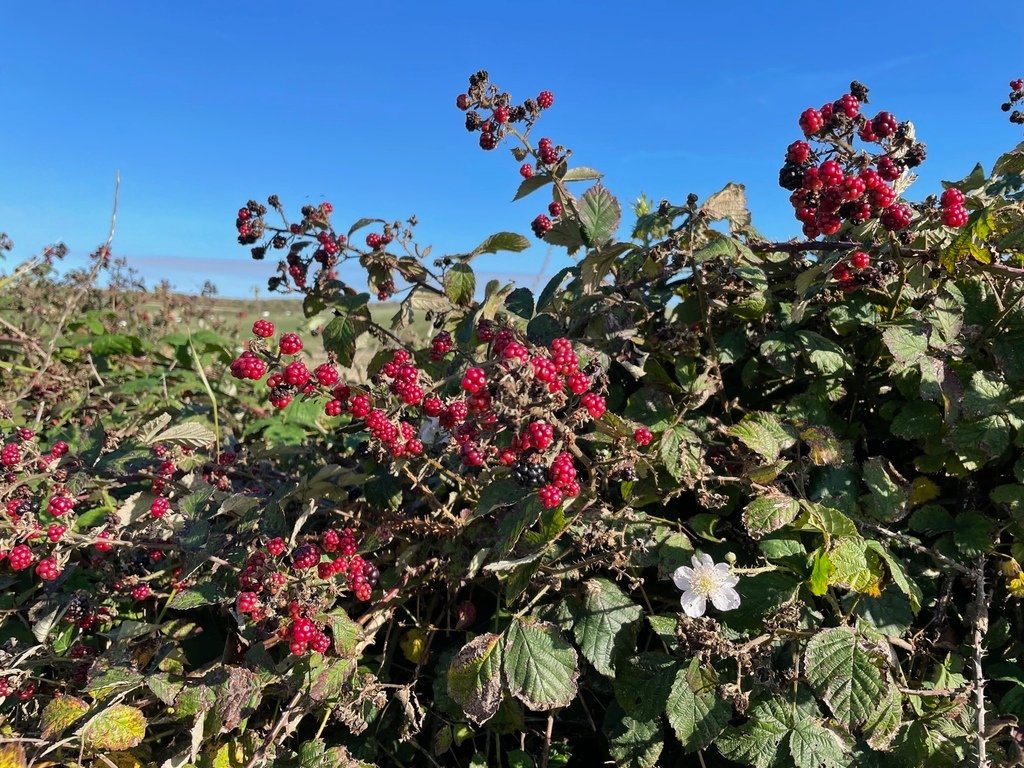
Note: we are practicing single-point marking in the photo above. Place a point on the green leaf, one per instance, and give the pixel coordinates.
(460, 284)
(632, 743)
(815, 746)
(364, 222)
(532, 184)
(730, 204)
(770, 512)
(756, 742)
(764, 434)
(886, 500)
(821, 569)
(581, 173)
(540, 665)
(643, 684)
(907, 343)
(497, 495)
(600, 214)
(694, 710)
(190, 434)
(116, 344)
(604, 624)
(59, 714)
(972, 533)
(520, 302)
(883, 723)
(846, 673)
(827, 357)
(898, 573)
(855, 567)
(831, 523)
(344, 631)
(116, 728)
(501, 241)
(192, 597)
(340, 336)
(474, 677)
(917, 420)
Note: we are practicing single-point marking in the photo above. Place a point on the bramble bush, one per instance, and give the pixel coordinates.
(706, 499)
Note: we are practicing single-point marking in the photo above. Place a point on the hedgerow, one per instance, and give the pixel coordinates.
(705, 499)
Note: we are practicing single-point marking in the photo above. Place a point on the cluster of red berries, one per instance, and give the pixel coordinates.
(483, 97)
(264, 578)
(290, 378)
(23, 692)
(845, 271)
(542, 224)
(834, 184)
(954, 214)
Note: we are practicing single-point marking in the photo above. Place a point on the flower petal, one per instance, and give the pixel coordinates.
(725, 599)
(693, 604)
(702, 560)
(683, 577)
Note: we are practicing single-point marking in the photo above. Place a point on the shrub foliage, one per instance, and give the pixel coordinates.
(462, 539)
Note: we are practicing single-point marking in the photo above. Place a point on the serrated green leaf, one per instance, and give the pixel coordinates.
(643, 684)
(633, 743)
(532, 184)
(898, 573)
(756, 742)
(694, 710)
(502, 241)
(821, 570)
(460, 284)
(116, 728)
(846, 673)
(520, 302)
(188, 598)
(190, 434)
(768, 513)
(59, 714)
(815, 746)
(539, 664)
(855, 567)
(604, 624)
(581, 173)
(883, 723)
(908, 344)
(764, 434)
(600, 214)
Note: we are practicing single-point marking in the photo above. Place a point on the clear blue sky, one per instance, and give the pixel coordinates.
(204, 105)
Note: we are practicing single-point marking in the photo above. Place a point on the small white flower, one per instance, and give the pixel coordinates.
(706, 579)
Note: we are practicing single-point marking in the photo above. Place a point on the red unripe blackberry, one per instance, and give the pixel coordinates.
(363, 592)
(798, 152)
(867, 132)
(555, 208)
(333, 407)
(541, 434)
(548, 155)
(896, 217)
(841, 272)
(248, 366)
(471, 455)
(501, 115)
(882, 196)
(56, 531)
(488, 140)
(526, 170)
(290, 344)
(811, 121)
(60, 505)
(955, 216)
(414, 447)
(306, 556)
(159, 507)
(247, 602)
(263, 328)
(830, 172)
(59, 449)
(276, 546)
(141, 592)
(853, 188)
(642, 436)
(462, 101)
(951, 197)
(296, 373)
(888, 169)
(550, 496)
(359, 406)
(828, 223)
(433, 406)
(326, 374)
(47, 569)
(1017, 85)
(594, 404)
(10, 455)
(849, 105)
(474, 380)
(884, 124)
(373, 241)
(320, 643)
(545, 99)
(303, 630)
(540, 225)
(860, 260)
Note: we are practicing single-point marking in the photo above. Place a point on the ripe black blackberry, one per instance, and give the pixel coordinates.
(29, 506)
(859, 91)
(78, 608)
(791, 176)
(529, 472)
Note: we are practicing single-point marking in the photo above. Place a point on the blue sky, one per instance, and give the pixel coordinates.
(204, 105)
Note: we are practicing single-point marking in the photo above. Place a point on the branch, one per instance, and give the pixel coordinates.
(979, 623)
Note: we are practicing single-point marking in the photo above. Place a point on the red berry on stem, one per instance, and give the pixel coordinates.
(263, 328)
(860, 260)
(545, 99)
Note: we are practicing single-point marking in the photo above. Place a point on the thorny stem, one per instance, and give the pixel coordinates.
(979, 622)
